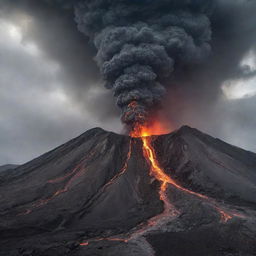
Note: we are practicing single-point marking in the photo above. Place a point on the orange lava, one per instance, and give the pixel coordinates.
(161, 176)
(124, 168)
(74, 171)
(225, 217)
(113, 239)
(74, 174)
(84, 244)
(154, 128)
(157, 171)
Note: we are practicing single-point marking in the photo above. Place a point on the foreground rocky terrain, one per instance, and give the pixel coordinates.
(95, 195)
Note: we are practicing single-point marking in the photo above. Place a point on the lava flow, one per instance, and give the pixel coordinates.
(155, 169)
(124, 168)
(74, 174)
(164, 179)
(120, 173)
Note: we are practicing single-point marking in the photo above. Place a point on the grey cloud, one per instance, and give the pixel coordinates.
(52, 96)
(238, 122)
(55, 32)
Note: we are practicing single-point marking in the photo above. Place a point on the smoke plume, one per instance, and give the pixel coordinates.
(145, 48)
(141, 44)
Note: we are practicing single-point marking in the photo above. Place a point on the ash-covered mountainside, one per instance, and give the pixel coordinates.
(7, 167)
(96, 195)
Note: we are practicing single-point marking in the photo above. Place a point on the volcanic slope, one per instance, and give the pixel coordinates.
(96, 195)
(7, 167)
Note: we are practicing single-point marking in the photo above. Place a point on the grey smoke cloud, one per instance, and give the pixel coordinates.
(55, 32)
(165, 42)
(141, 44)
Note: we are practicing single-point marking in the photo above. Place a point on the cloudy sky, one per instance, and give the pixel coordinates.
(51, 91)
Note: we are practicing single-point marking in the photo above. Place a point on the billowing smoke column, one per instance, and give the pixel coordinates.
(141, 43)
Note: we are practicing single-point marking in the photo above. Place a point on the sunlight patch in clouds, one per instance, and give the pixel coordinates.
(244, 87)
(239, 89)
(249, 61)
(11, 33)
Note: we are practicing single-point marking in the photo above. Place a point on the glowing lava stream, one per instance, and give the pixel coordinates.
(160, 175)
(124, 168)
(119, 173)
(74, 174)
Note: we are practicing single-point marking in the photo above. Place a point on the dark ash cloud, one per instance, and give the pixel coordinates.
(140, 45)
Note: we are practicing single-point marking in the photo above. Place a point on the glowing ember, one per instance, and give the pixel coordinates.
(113, 239)
(84, 244)
(225, 217)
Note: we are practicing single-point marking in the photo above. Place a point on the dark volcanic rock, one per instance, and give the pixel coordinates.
(207, 164)
(7, 167)
(98, 185)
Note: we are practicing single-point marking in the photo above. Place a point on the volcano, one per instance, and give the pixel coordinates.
(184, 193)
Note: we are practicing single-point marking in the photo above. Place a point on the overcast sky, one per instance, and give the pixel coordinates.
(50, 89)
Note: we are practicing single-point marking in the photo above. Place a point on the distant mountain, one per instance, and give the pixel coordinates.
(97, 195)
(8, 167)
